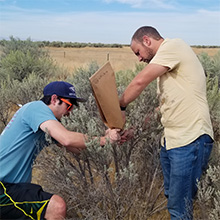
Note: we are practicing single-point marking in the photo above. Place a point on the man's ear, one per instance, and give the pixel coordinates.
(146, 40)
(54, 99)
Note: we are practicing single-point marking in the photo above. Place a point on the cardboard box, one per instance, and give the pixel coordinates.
(106, 96)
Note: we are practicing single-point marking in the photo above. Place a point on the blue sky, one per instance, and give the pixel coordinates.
(110, 21)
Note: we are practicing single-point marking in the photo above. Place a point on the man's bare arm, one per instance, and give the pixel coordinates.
(73, 141)
(140, 82)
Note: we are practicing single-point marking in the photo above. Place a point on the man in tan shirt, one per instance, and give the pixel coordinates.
(188, 135)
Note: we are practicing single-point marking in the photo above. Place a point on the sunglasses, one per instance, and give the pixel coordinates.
(70, 105)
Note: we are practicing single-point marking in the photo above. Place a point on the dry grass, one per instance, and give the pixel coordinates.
(120, 58)
(72, 58)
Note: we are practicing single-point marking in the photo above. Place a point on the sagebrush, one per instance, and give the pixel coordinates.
(116, 181)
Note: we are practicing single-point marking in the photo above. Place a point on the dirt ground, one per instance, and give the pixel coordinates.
(120, 58)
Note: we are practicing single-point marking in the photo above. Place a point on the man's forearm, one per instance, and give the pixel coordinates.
(140, 82)
(131, 93)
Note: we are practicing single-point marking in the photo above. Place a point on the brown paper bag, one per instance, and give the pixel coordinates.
(105, 92)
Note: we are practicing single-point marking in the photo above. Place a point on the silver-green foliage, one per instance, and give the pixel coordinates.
(209, 186)
(20, 58)
(15, 44)
(212, 67)
(24, 70)
(113, 182)
(14, 93)
(211, 64)
(117, 181)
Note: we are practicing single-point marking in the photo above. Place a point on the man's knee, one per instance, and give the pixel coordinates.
(56, 208)
(60, 204)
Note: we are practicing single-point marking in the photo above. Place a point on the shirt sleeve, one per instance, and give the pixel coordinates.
(166, 55)
(37, 113)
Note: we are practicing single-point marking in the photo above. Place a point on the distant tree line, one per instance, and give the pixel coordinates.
(81, 45)
(66, 44)
(205, 46)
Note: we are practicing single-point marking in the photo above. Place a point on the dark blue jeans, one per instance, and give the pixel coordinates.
(182, 168)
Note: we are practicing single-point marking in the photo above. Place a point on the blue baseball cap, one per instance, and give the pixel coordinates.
(63, 89)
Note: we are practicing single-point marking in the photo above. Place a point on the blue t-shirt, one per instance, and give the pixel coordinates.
(21, 141)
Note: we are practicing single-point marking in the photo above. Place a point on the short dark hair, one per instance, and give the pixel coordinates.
(146, 30)
(47, 100)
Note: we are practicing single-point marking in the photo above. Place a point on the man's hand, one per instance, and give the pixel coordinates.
(113, 135)
(126, 135)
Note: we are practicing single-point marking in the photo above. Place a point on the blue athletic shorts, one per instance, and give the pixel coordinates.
(23, 201)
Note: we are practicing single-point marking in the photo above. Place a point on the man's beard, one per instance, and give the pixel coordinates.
(150, 55)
